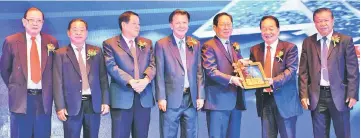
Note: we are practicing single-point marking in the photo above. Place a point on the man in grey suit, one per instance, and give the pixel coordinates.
(26, 68)
(130, 63)
(328, 77)
(80, 83)
(179, 80)
(279, 105)
(224, 97)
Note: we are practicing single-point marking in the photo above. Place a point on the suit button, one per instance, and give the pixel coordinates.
(182, 74)
(182, 86)
(80, 81)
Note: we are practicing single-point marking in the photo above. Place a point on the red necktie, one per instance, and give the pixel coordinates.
(267, 66)
(34, 62)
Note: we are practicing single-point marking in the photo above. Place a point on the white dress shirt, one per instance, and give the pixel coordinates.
(83, 56)
(184, 61)
(30, 83)
(273, 53)
(328, 41)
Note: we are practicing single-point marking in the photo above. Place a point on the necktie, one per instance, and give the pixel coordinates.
(228, 49)
(184, 62)
(34, 62)
(84, 75)
(267, 66)
(324, 55)
(133, 50)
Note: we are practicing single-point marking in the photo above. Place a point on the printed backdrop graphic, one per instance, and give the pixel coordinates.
(295, 18)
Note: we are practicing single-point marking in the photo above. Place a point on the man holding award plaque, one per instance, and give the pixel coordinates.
(277, 105)
(224, 96)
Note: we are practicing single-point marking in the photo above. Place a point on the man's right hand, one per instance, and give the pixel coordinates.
(237, 81)
(305, 102)
(162, 104)
(62, 114)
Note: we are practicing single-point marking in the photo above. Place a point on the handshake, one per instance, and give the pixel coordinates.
(138, 85)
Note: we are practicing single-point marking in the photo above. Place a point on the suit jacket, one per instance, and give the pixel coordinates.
(284, 78)
(342, 68)
(68, 82)
(170, 72)
(217, 64)
(14, 71)
(120, 66)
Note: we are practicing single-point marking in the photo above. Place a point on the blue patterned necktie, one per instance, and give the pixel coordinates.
(324, 55)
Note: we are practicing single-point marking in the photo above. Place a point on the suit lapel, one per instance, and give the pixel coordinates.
(44, 53)
(174, 49)
(331, 47)
(261, 53)
(138, 50)
(221, 47)
(233, 52)
(317, 46)
(123, 45)
(88, 61)
(275, 60)
(72, 57)
(189, 57)
(21, 45)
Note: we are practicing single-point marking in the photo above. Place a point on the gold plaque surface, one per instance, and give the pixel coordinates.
(253, 75)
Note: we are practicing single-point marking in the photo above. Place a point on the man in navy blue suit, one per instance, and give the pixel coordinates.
(179, 79)
(130, 63)
(80, 83)
(224, 97)
(279, 105)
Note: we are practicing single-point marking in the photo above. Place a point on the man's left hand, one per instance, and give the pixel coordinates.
(351, 102)
(105, 109)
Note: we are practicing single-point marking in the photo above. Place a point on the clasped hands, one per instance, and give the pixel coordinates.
(138, 85)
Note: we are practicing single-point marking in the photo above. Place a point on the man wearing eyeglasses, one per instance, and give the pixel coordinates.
(26, 68)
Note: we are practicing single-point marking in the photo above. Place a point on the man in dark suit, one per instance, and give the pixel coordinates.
(279, 105)
(224, 98)
(80, 83)
(26, 68)
(130, 63)
(328, 77)
(179, 80)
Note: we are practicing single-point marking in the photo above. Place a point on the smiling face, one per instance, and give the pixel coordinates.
(224, 27)
(269, 31)
(324, 22)
(33, 22)
(179, 25)
(78, 33)
(132, 28)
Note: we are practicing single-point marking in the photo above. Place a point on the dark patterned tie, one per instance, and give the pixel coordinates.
(133, 50)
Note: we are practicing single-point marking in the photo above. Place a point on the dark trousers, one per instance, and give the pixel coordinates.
(86, 118)
(224, 123)
(186, 115)
(324, 112)
(134, 120)
(273, 122)
(34, 123)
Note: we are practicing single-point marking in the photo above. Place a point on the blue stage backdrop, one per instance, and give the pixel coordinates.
(295, 18)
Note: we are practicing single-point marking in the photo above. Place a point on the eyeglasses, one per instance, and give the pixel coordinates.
(225, 25)
(32, 21)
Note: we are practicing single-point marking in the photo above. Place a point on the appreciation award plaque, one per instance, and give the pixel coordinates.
(253, 75)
